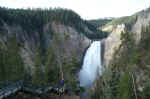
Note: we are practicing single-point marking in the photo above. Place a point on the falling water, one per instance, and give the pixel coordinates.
(91, 66)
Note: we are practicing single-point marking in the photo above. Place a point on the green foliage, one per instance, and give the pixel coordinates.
(127, 20)
(145, 93)
(131, 57)
(54, 66)
(126, 51)
(107, 87)
(15, 62)
(66, 36)
(46, 67)
(114, 85)
(98, 92)
(2, 64)
(70, 67)
(97, 34)
(12, 66)
(38, 75)
(125, 87)
(34, 19)
(100, 22)
(51, 69)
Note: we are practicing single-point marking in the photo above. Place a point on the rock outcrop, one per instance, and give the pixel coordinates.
(112, 42)
(72, 42)
(143, 20)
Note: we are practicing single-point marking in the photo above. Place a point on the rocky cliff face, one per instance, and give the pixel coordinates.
(113, 41)
(143, 20)
(129, 64)
(73, 43)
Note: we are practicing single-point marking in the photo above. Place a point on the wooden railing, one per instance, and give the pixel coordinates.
(8, 89)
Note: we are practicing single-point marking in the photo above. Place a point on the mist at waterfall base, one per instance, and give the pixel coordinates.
(91, 67)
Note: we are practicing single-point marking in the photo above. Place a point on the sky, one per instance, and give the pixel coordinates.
(87, 9)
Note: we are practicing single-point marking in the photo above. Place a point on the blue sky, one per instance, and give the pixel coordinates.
(87, 9)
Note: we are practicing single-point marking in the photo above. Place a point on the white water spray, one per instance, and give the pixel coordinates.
(91, 65)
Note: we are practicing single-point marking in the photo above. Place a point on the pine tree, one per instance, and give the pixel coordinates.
(14, 63)
(51, 69)
(38, 75)
(114, 82)
(125, 87)
(2, 64)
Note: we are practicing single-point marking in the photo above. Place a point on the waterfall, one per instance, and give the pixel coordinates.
(91, 66)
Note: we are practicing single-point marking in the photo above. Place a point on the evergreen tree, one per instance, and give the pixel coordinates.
(125, 87)
(2, 64)
(51, 69)
(14, 62)
(113, 83)
(38, 75)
